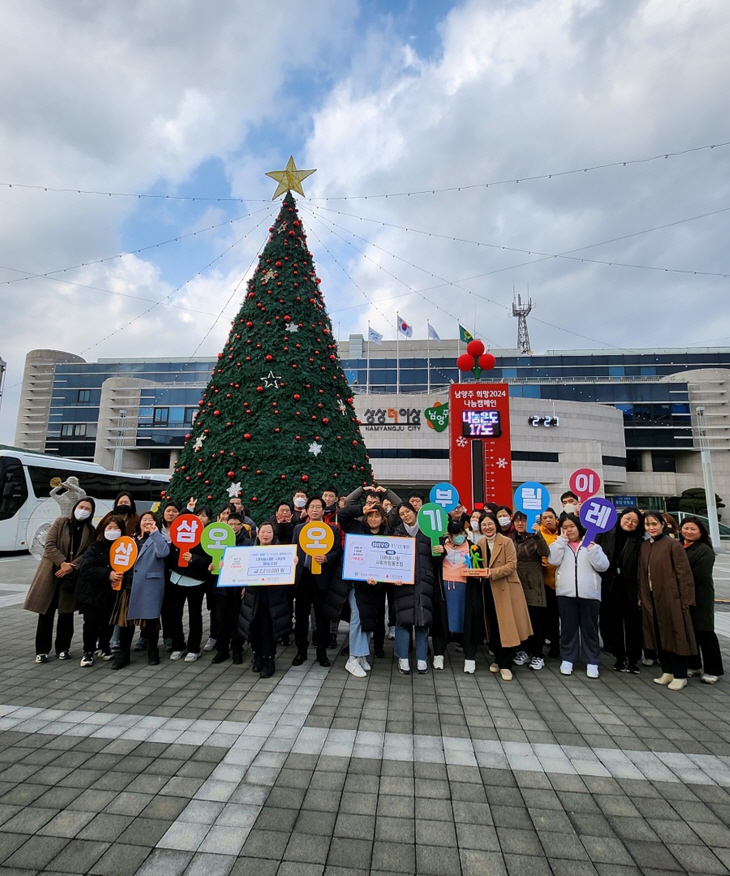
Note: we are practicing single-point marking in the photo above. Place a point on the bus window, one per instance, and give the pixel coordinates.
(98, 485)
(13, 489)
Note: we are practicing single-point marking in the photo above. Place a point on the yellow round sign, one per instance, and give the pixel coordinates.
(316, 538)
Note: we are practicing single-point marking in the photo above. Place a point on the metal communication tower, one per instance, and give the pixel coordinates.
(522, 311)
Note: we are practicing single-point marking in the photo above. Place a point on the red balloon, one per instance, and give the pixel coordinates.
(465, 362)
(475, 348)
(487, 362)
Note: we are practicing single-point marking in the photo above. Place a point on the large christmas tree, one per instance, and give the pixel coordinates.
(277, 414)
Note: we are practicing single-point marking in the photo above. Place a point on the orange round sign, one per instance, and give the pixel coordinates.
(123, 554)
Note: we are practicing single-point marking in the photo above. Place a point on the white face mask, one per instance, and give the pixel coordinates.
(299, 502)
(503, 521)
(570, 508)
(81, 514)
(112, 534)
(475, 525)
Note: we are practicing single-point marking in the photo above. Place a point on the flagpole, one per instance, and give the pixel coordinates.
(397, 358)
(428, 354)
(367, 371)
(458, 343)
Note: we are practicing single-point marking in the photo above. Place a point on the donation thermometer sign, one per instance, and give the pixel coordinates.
(480, 451)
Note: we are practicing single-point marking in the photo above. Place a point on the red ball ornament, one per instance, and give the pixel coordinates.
(231, 474)
(305, 478)
(259, 389)
(475, 348)
(269, 357)
(354, 443)
(296, 396)
(325, 420)
(216, 413)
(465, 362)
(247, 436)
(487, 362)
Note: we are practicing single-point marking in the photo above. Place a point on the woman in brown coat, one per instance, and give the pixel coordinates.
(667, 590)
(508, 619)
(66, 541)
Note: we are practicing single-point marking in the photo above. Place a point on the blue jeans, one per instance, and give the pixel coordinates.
(403, 641)
(359, 641)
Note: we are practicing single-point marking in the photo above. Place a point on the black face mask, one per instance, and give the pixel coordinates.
(124, 510)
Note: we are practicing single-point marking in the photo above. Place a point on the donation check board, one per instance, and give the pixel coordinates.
(379, 558)
(258, 566)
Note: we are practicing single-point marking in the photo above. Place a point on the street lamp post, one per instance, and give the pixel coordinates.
(708, 479)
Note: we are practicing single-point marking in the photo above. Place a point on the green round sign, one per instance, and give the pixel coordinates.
(215, 539)
(433, 521)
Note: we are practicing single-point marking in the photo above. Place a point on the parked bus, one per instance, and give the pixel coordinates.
(27, 480)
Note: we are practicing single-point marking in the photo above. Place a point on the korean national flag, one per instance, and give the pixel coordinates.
(404, 328)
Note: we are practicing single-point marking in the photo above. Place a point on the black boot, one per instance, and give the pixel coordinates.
(301, 656)
(153, 656)
(258, 663)
(121, 660)
(237, 658)
(220, 657)
(269, 668)
(322, 657)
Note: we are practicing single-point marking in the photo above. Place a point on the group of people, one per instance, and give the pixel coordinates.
(640, 591)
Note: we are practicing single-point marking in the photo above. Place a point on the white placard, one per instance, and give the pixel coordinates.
(380, 558)
(265, 565)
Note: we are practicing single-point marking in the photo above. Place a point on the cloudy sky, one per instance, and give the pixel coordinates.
(463, 150)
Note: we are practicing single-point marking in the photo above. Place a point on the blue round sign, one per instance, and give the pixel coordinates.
(444, 494)
(532, 499)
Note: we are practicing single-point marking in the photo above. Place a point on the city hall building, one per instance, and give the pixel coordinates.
(638, 417)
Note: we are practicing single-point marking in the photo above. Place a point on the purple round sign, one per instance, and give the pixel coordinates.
(597, 515)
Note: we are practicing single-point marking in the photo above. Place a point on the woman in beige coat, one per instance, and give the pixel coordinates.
(505, 607)
(66, 541)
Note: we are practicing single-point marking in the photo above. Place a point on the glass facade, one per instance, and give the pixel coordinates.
(656, 414)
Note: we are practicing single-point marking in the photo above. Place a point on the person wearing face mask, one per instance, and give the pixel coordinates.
(299, 501)
(531, 549)
(701, 556)
(450, 592)
(96, 592)
(473, 533)
(667, 591)
(578, 588)
(504, 520)
(570, 502)
(51, 589)
(549, 532)
(125, 508)
(620, 613)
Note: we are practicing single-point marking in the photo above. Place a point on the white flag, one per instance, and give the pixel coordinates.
(404, 328)
(432, 334)
(374, 336)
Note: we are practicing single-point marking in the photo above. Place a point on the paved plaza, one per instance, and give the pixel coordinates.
(210, 770)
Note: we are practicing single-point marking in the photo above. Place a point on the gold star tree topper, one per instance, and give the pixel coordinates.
(289, 179)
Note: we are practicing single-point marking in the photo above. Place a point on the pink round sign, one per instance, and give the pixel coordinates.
(585, 483)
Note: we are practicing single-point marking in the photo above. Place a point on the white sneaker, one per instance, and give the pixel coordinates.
(363, 661)
(87, 660)
(537, 663)
(438, 662)
(694, 673)
(521, 657)
(710, 679)
(566, 668)
(354, 668)
(422, 667)
(592, 670)
(647, 661)
(176, 655)
(192, 656)
(404, 666)
(391, 632)
(470, 666)
(210, 644)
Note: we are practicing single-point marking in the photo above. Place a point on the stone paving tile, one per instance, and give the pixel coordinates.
(547, 775)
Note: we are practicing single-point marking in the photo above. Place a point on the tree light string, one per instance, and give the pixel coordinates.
(432, 191)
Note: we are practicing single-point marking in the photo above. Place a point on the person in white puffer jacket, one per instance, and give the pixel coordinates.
(578, 589)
